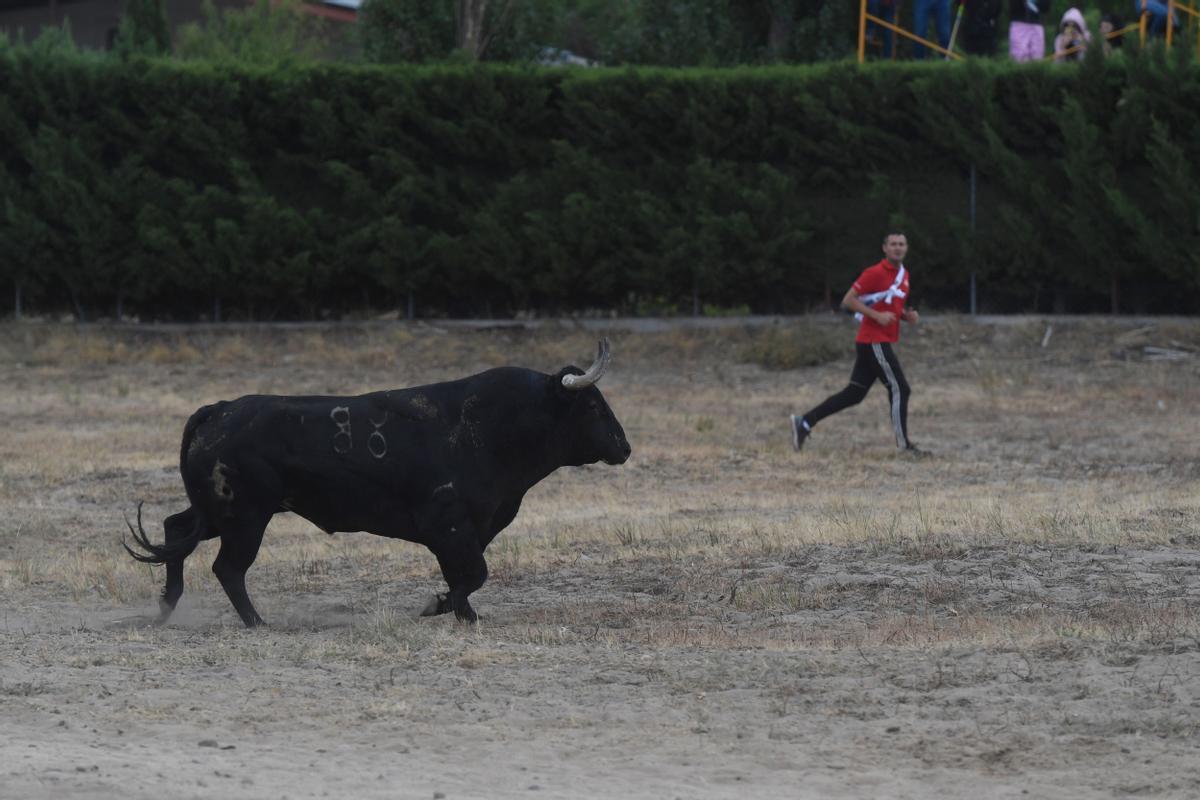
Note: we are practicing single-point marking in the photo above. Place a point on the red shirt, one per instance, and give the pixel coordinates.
(880, 278)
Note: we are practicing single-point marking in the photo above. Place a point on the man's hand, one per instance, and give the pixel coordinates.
(911, 315)
(883, 318)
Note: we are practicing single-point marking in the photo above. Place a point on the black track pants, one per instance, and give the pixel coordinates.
(873, 362)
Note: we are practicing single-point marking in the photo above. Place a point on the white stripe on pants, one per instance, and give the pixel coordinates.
(893, 392)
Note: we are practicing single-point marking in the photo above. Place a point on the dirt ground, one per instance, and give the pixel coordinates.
(1016, 616)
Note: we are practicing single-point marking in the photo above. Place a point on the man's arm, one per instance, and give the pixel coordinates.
(852, 303)
(910, 315)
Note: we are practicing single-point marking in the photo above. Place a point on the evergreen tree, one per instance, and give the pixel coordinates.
(264, 33)
(143, 29)
(24, 250)
(396, 31)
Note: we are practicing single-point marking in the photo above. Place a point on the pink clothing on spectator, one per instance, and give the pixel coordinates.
(1026, 42)
(1072, 39)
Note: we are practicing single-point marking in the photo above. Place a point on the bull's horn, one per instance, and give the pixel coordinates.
(594, 372)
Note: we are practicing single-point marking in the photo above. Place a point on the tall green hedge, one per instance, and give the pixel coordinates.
(188, 190)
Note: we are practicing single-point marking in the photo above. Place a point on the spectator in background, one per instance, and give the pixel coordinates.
(1157, 24)
(940, 9)
(885, 10)
(1072, 40)
(1110, 23)
(979, 26)
(1026, 37)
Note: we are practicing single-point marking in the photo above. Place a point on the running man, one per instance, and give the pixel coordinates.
(877, 300)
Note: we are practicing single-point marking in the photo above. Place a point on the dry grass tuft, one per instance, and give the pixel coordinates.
(792, 347)
(178, 351)
(77, 349)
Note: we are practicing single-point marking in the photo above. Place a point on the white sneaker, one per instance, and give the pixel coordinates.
(799, 432)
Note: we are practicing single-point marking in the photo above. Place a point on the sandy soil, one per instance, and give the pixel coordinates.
(720, 617)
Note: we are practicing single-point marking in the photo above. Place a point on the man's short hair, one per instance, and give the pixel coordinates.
(889, 234)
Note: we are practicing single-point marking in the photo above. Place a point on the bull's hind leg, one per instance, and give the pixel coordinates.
(176, 528)
(239, 547)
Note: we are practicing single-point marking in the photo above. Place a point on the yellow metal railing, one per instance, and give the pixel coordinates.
(1172, 6)
(864, 18)
(1193, 19)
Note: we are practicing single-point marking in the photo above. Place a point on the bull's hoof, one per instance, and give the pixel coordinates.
(438, 604)
(165, 610)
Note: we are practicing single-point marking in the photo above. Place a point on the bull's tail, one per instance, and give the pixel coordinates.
(184, 531)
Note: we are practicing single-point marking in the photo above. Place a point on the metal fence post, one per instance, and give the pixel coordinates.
(974, 306)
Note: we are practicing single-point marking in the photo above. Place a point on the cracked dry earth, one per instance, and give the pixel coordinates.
(718, 618)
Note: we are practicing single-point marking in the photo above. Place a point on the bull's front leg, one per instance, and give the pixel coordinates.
(465, 570)
(450, 532)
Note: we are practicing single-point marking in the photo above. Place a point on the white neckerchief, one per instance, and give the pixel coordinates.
(893, 292)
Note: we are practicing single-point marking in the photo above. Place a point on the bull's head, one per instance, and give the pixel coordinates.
(590, 425)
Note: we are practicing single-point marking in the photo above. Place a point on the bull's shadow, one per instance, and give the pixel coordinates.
(445, 465)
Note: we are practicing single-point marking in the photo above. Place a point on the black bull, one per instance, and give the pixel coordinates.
(444, 465)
